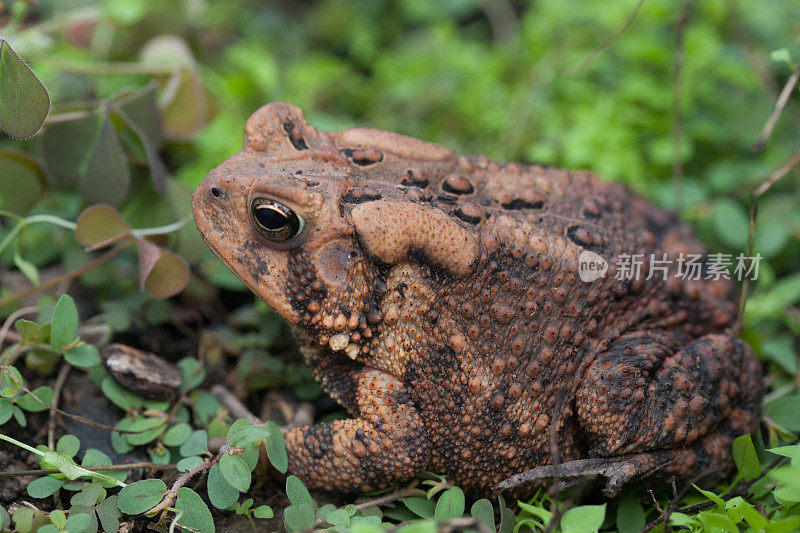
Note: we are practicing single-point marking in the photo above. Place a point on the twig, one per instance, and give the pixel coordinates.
(677, 95)
(751, 230)
(58, 386)
(232, 403)
(410, 490)
(126, 466)
(608, 42)
(184, 478)
(77, 418)
(69, 276)
(780, 104)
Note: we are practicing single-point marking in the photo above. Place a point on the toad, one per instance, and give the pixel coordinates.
(440, 300)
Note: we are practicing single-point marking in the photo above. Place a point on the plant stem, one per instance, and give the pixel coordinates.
(69, 276)
(21, 445)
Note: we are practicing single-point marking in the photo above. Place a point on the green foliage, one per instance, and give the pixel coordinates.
(24, 102)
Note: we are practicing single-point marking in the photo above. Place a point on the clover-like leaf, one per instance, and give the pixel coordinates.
(22, 181)
(24, 102)
(44, 487)
(168, 275)
(99, 224)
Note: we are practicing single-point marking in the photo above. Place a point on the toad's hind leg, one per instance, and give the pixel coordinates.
(646, 406)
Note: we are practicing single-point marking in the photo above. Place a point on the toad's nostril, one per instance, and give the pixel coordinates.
(215, 192)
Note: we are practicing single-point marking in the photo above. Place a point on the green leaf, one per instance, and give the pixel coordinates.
(27, 268)
(177, 434)
(196, 444)
(221, 494)
(68, 445)
(141, 496)
(5, 520)
(22, 181)
(58, 518)
(745, 457)
(147, 430)
(120, 396)
(276, 448)
(65, 323)
(482, 510)
(450, 505)
(785, 411)
(422, 507)
(587, 518)
(263, 511)
(195, 512)
(93, 457)
(187, 463)
(711, 496)
(235, 472)
(6, 410)
(44, 487)
(192, 374)
(83, 356)
(106, 175)
(730, 222)
(29, 403)
(63, 463)
(299, 517)
(89, 495)
(24, 102)
(109, 515)
(298, 493)
(244, 436)
(630, 515)
(99, 224)
(78, 523)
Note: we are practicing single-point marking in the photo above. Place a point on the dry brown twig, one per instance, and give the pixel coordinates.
(608, 42)
(677, 97)
(780, 104)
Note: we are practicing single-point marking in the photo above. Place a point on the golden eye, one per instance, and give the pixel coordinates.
(275, 221)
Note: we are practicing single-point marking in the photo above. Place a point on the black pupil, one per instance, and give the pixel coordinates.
(277, 221)
(271, 218)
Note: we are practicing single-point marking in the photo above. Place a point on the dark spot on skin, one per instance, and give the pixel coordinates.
(457, 184)
(262, 165)
(519, 203)
(447, 199)
(414, 178)
(470, 213)
(363, 158)
(294, 136)
(324, 441)
(580, 237)
(359, 195)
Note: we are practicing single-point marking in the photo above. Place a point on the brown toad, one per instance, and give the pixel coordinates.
(438, 299)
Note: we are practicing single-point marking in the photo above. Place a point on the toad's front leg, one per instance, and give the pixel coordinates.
(385, 443)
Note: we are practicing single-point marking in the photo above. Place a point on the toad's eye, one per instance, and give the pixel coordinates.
(275, 221)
